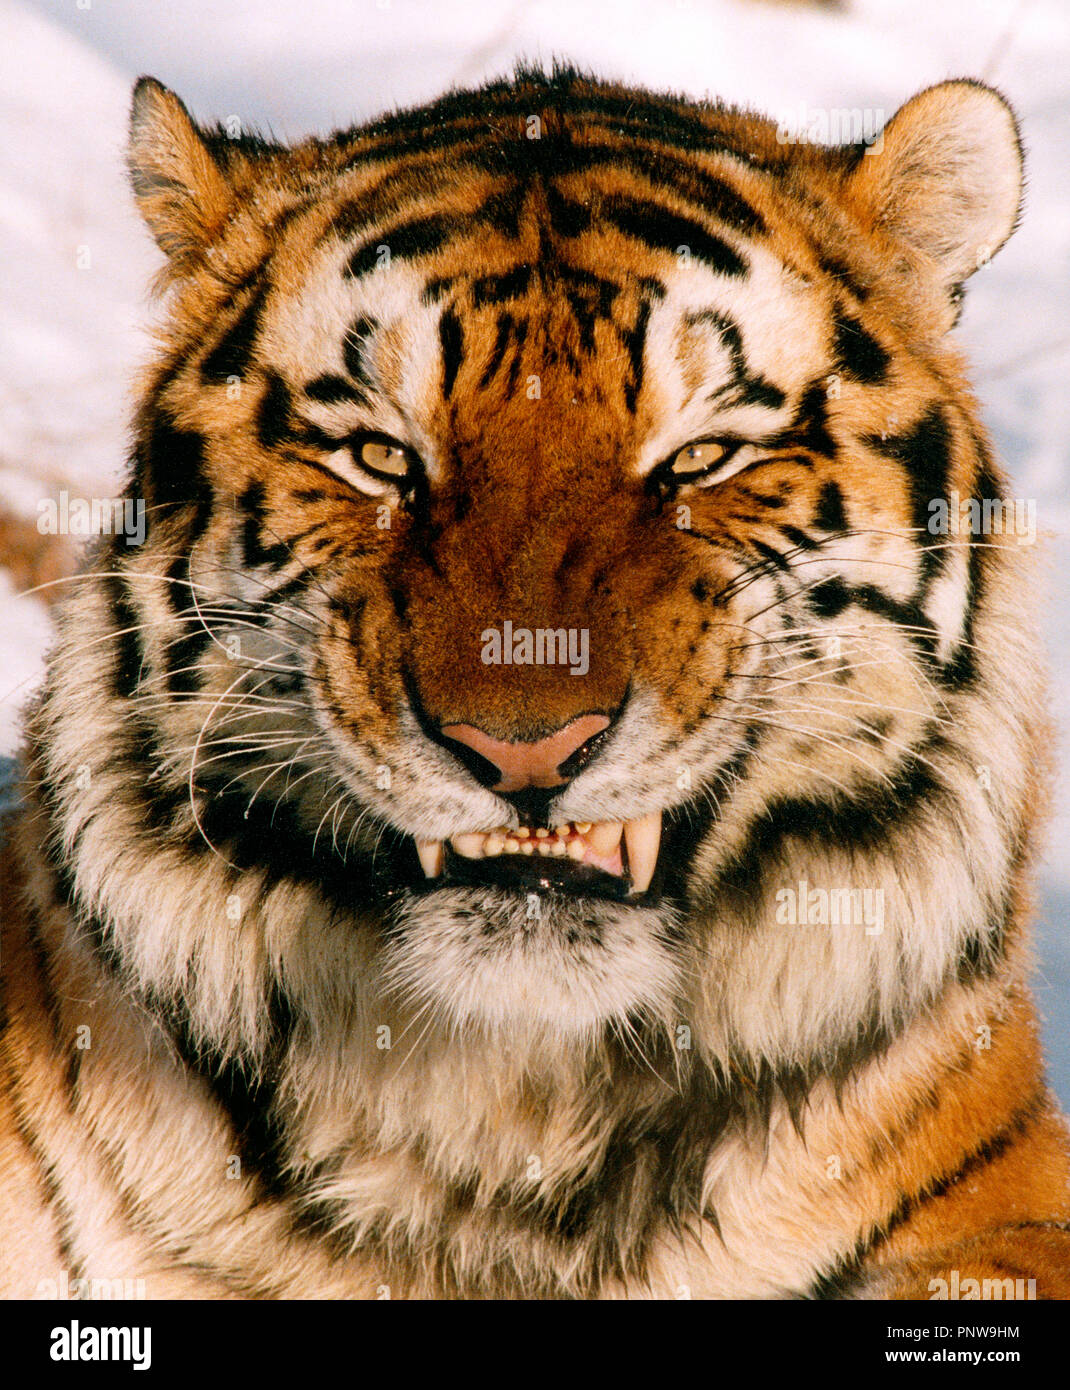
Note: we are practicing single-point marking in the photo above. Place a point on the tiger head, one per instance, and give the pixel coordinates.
(541, 563)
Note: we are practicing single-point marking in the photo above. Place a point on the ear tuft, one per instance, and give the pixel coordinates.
(945, 177)
(180, 190)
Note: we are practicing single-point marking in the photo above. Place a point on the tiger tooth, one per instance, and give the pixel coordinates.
(642, 838)
(469, 846)
(430, 852)
(604, 837)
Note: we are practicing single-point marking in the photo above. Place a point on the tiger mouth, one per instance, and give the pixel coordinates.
(613, 859)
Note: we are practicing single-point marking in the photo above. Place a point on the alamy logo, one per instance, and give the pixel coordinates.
(541, 646)
(77, 1343)
(807, 906)
(92, 516)
(836, 125)
(989, 516)
(967, 1290)
(65, 1288)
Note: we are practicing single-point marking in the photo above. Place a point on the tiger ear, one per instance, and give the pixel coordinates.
(181, 191)
(945, 177)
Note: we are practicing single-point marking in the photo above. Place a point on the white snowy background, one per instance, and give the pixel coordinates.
(75, 263)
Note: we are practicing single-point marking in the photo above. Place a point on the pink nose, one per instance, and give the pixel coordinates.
(529, 764)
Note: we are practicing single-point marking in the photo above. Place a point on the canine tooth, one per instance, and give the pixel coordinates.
(430, 852)
(576, 849)
(494, 844)
(468, 846)
(604, 836)
(511, 845)
(527, 847)
(558, 848)
(642, 838)
(582, 827)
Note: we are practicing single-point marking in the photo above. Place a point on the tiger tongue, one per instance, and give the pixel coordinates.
(642, 840)
(612, 863)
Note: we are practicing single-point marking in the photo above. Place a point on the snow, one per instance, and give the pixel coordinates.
(70, 337)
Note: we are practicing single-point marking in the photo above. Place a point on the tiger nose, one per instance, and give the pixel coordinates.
(506, 766)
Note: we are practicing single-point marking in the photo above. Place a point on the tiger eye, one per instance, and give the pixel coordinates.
(698, 458)
(383, 457)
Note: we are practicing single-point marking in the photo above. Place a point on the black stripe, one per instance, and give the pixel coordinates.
(520, 333)
(505, 330)
(434, 289)
(451, 340)
(246, 1091)
(331, 390)
(232, 354)
(833, 266)
(499, 289)
(421, 237)
(353, 347)
(169, 463)
(858, 353)
(182, 654)
(924, 451)
(635, 343)
(831, 596)
(55, 1202)
(809, 430)
(770, 554)
(126, 671)
(567, 218)
(745, 388)
(859, 823)
(272, 838)
(961, 670)
(656, 226)
(273, 416)
(467, 116)
(840, 1280)
(254, 551)
(591, 298)
(831, 515)
(711, 195)
(801, 540)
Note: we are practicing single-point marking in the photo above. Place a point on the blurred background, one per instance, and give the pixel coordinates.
(75, 263)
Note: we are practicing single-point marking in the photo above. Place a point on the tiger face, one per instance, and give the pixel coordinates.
(540, 488)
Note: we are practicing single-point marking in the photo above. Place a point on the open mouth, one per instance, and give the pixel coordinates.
(614, 859)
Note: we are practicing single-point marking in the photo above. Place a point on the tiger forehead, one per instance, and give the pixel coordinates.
(674, 287)
(593, 257)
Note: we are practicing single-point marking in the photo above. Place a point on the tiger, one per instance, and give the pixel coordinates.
(548, 809)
